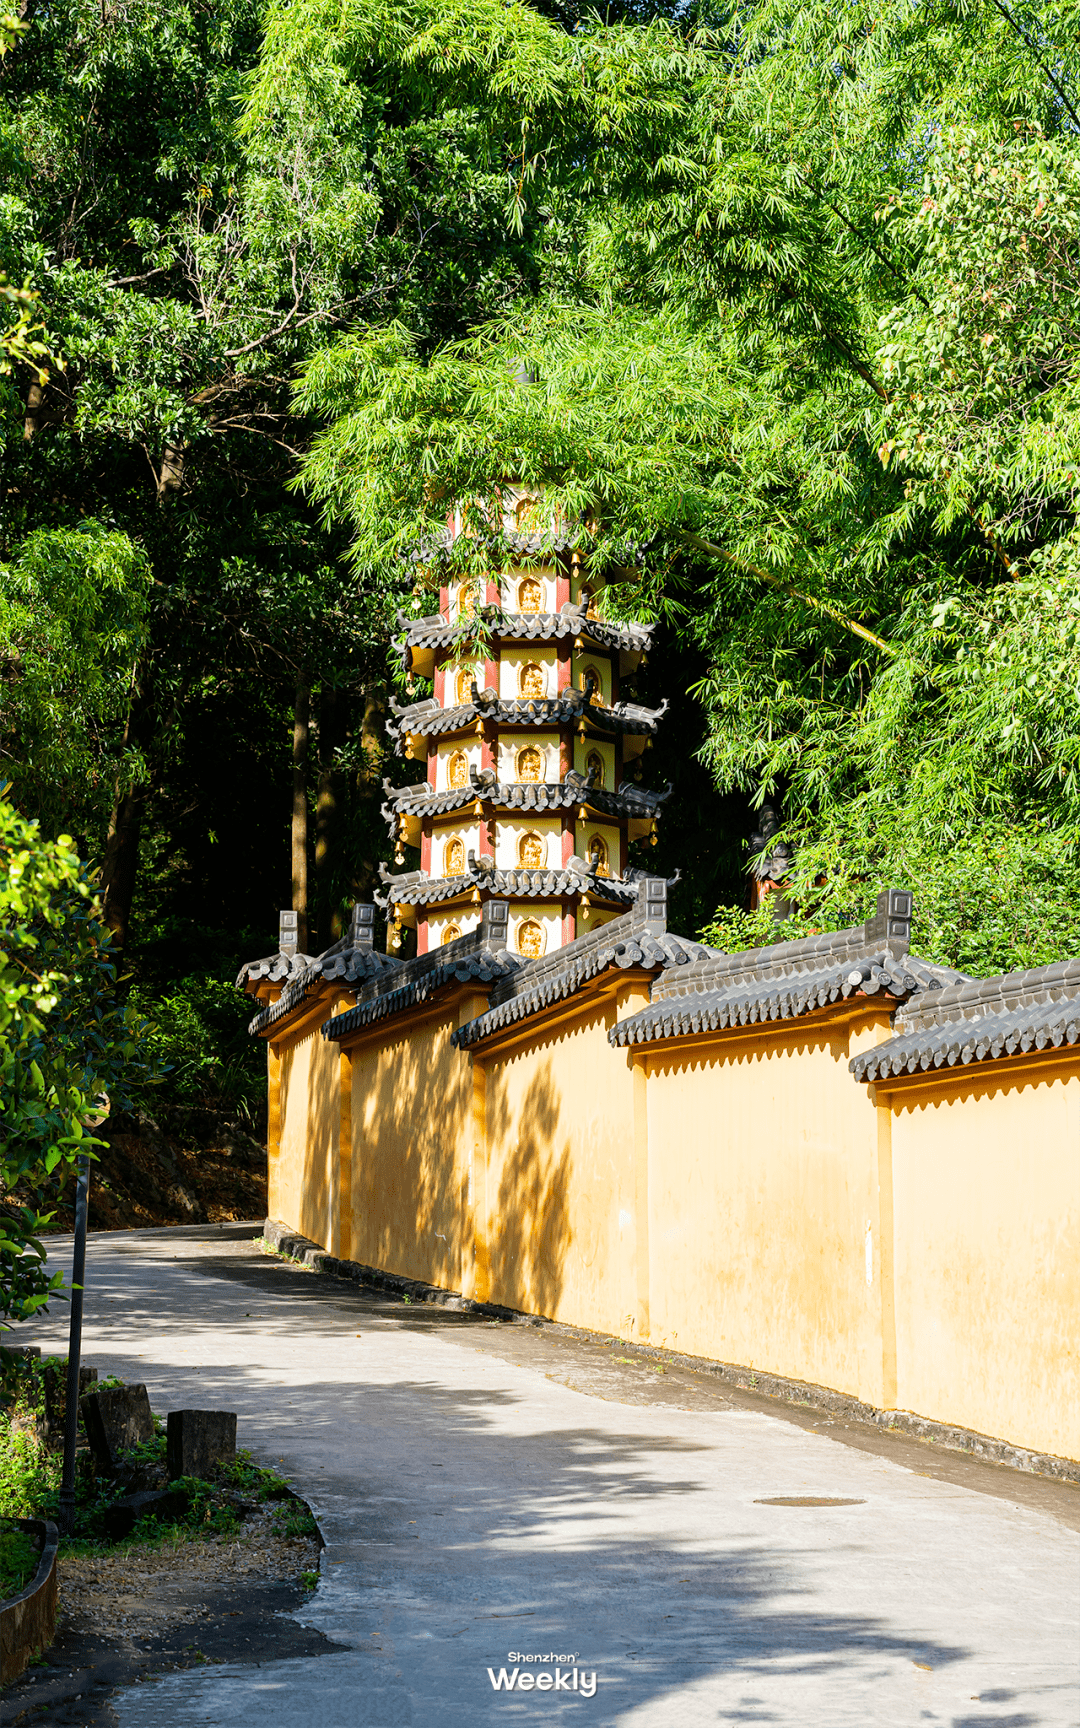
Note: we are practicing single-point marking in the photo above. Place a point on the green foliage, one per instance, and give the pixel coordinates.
(29, 1473)
(190, 255)
(73, 620)
(65, 1041)
(980, 359)
(29, 1476)
(21, 338)
(266, 1247)
(997, 898)
(811, 365)
(18, 1562)
(797, 286)
(197, 1037)
(734, 929)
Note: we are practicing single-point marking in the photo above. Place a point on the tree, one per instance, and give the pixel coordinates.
(65, 1043)
(815, 376)
(73, 611)
(189, 263)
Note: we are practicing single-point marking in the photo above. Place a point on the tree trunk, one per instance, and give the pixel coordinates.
(325, 818)
(301, 728)
(373, 736)
(171, 477)
(120, 869)
(369, 782)
(35, 398)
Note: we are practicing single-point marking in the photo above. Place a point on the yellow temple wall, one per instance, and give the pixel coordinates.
(302, 1176)
(986, 1201)
(738, 1197)
(556, 1225)
(411, 1122)
(762, 1194)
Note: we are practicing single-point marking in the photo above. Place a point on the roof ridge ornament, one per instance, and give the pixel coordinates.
(892, 920)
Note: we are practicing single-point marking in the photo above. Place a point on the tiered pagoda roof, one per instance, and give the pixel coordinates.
(415, 803)
(429, 719)
(426, 637)
(415, 888)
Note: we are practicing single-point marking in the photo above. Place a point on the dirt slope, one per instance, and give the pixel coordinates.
(202, 1169)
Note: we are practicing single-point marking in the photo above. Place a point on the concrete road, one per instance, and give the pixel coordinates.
(492, 1493)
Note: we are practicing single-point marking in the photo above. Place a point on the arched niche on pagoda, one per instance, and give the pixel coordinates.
(532, 851)
(530, 938)
(457, 770)
(530, 594)
(599, 853)
(530, 765)
(532, 682)
(594, 685)
(464, 677)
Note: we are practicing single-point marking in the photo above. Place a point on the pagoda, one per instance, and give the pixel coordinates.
(526, 744)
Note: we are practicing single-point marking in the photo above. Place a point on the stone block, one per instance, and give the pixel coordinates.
(197, 1440)
(116, 1420)
(56, 1396)
(122, 1516)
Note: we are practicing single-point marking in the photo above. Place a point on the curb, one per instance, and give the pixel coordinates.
(28, 1620)
(982, 1446)
(286, 1241)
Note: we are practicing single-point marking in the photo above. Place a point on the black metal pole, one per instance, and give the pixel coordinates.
(66, 1517)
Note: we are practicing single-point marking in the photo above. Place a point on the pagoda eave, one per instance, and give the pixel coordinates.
(429, 639)
(411, 727)
(404, 896)
(408, 808)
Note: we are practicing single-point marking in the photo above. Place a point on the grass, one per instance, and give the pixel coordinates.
(266, 1247)
(30, 1472)
(18, 1562)
(29, 1475)
(215, 1507)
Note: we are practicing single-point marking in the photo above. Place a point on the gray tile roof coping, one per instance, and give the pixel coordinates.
(1005, 991)
(979, 1020)
(787, 979)
(341, 962)
(638, 939)
(428, 719)
(422, 800)
(481, 957)
(781, 960)
(751, 1000)
(274, 969)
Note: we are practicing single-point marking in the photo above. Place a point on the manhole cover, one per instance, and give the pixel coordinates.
(806, 1500)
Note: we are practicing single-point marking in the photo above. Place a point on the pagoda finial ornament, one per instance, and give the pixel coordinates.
(525, 745)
